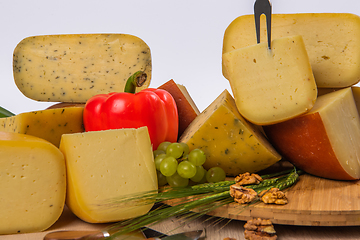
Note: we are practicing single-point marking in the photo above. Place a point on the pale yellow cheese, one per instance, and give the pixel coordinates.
(331, 40)
(75, 67)
(105, 165)
(32, 183)
(271, 86)
(228, 140)
(48, 124)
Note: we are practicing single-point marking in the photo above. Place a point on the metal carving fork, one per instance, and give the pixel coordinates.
(263, 7)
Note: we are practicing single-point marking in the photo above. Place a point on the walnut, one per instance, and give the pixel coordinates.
(274, 195)
(259, 229)
(229, 238)
(247, 178)
(241, 194)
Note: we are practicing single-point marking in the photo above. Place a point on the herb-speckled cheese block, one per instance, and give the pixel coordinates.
(331, 40)
(105, 165)
(228, 140)
(48, 124)
(75, 67)
(32, 183)
(271, 86)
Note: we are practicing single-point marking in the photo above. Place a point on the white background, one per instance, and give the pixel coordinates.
(185, 36)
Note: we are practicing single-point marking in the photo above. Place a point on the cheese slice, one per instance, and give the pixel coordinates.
(103, 166)
(228, 140)
(271, 86)
(331, 40)
(48, 124)
(325, 141)
(32, 183)
(75, 67)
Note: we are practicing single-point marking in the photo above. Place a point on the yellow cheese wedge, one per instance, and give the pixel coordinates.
(331, 40)
(48, 124)
(325, 141)
(75, 67)
(271, 86)
(228, 140)
(105, 165)
(32, 183)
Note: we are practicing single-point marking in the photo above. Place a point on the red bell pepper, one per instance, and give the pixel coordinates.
(154, 108)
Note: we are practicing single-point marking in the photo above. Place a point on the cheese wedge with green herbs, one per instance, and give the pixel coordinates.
(331, 40)
(228, 140)
(103, 166)
(75, 67)
(48, 124)
(271, 86)
(32, 183)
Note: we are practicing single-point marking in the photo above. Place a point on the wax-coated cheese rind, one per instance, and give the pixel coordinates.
(271, 86)
(105, 165)
(75, 67)
(33, 183)
(323, 142)
(331, 40)
(228, 140)
(187, 109)
(48, 124)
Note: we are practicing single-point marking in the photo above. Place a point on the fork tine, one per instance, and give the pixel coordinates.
(263, 7)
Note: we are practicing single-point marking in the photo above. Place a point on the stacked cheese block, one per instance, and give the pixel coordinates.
(47, 158)
(277, 88)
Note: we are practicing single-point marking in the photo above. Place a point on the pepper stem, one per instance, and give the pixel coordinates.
(136, 80)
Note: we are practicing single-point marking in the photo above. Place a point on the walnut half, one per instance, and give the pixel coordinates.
(259, 229)
(274, 195)
(241, 194)
(247, 179)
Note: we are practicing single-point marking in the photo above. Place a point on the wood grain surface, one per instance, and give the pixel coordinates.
(313, 201)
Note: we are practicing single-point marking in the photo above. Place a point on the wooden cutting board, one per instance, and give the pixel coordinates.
(313, 201)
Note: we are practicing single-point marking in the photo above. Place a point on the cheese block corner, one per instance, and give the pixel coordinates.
(228, 140)
(75, 67)
(325, 141)
(271, 86)
(107, 165)
(33, 183)
(187, 109)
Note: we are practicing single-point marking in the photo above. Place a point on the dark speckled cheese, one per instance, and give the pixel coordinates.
(228, 140)
(75, 67)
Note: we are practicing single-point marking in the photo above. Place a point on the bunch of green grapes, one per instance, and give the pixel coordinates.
(176, 166)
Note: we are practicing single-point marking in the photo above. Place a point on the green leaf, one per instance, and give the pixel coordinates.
(5, 113)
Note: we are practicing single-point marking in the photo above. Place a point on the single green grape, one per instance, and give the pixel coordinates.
(168, 166)
(157, 152)
(197, 157)
(186, 149)
(161, 179)
(175, 150)
(200, 173)
(186, 169)
(215, 174)
(158, 160)
(177, 181)
(203, 180)
(163, 146)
